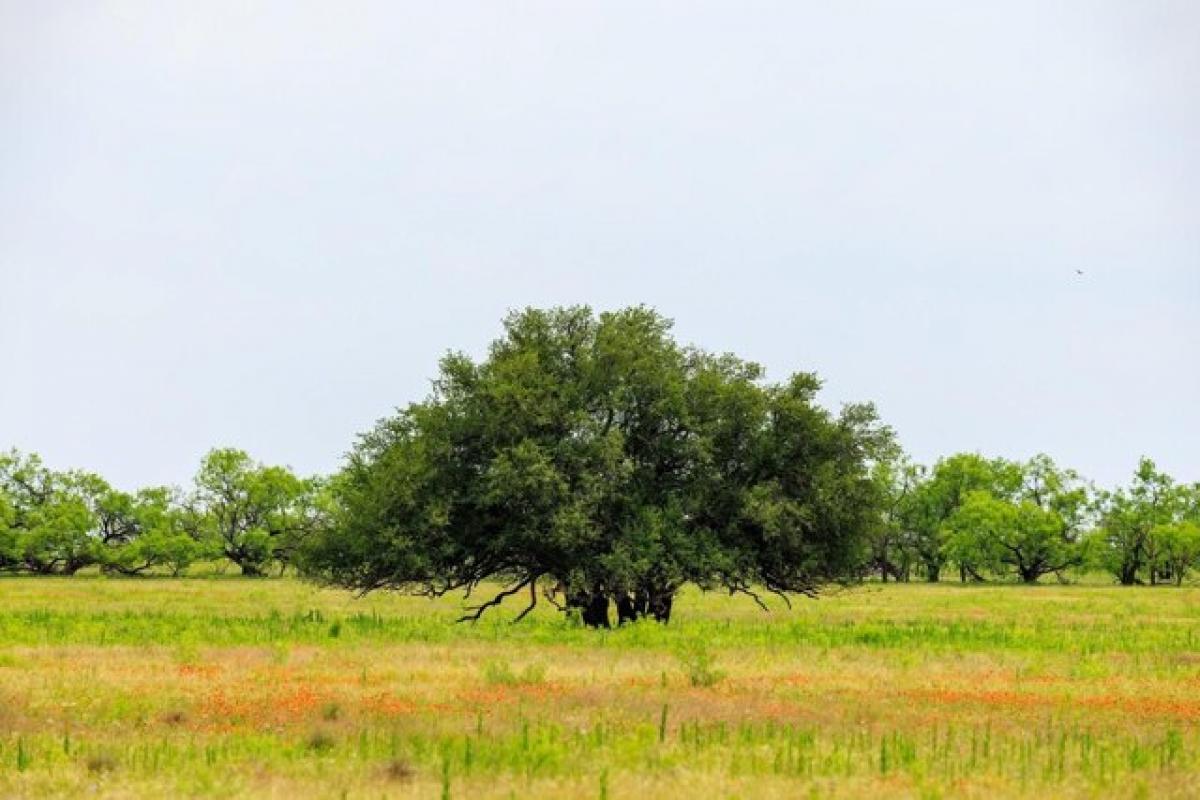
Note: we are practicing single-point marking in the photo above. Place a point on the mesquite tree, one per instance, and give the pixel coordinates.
(55, 522)
(253, 514)
(1028, 524)
(1135, 540)
(47, 524)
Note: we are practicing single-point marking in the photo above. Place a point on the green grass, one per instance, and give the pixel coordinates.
(230, 687)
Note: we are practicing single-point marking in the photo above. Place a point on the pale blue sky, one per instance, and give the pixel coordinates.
(260, 224)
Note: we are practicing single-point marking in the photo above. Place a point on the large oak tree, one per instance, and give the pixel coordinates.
(594, 456)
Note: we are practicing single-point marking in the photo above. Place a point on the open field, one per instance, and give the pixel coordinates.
(222, 687)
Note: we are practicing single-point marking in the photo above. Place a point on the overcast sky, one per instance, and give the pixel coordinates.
(260, 224)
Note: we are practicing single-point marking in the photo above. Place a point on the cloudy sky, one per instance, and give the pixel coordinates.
(260, 224)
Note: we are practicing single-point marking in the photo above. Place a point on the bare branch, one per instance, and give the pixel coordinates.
(787, 601)
(477, 611)
(751, 594)
(532, 600)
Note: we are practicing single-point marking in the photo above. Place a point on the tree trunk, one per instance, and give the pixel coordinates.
(626, 609)
(641, 602)
(889, 570)
(595, 611)
(660, 605)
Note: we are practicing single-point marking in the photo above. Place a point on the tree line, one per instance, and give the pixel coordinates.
(59, 522)
(997, 518)
(593, 462)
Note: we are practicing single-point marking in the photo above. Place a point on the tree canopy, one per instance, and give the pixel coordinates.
(254, 514)
(987, 516)
(1145, 530)
(596, 456)
(59, 522)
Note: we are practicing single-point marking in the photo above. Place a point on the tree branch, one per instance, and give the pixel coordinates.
(742, 589)
(532, 600)
(477, 611)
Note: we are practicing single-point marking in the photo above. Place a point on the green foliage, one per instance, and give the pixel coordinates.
(892, 542)
(49, 519)
(934, 501)
(60, 522)
(154, 534)
(1028, 525)
(986, 516)
(1002, 535)
(1176, 548)
(501, 673)
(699, 665)
(998, 517)
(254, 514)
(1127, 543)
(595, 454)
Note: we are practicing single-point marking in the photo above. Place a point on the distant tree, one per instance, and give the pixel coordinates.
(50, 528)
(154, 533)
(936, 499)
(1057, 490)
(892, 542)
(1002, 535)
(1124, 542)
(8, 534)
(596, 456)
(1189, 501)
(60, 522)
(1028, 523)
(254, 514)
(1178, 549)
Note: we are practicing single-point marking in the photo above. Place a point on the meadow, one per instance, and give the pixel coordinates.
(219, 687)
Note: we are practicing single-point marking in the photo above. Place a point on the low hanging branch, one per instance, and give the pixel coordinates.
(532, 601)
(787, 601)
(477, 611)
(740, 589)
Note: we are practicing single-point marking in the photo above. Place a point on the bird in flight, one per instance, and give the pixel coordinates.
(1078, 272)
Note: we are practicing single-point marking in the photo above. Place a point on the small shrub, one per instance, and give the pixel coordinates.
(698, 664)
(320, 741)
(500, 673)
